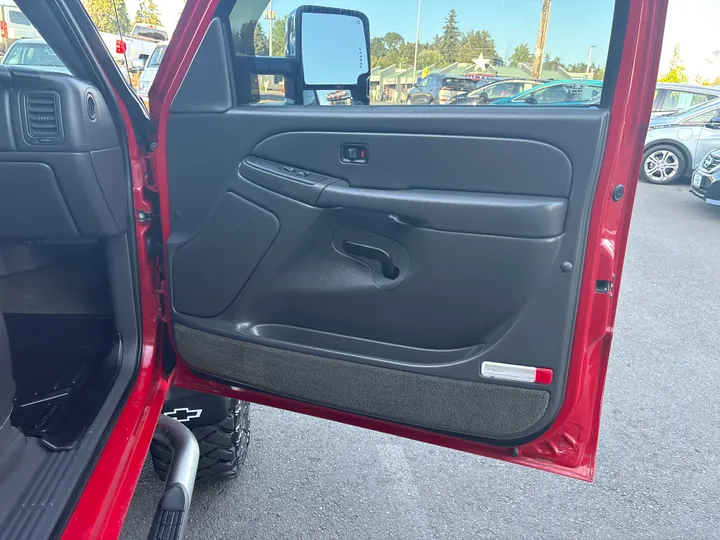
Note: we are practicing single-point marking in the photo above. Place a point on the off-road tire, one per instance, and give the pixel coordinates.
(223, 446)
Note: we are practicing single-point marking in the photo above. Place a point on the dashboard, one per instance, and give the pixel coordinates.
(62, 171)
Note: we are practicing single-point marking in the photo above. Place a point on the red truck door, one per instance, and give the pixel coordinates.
(445, 275)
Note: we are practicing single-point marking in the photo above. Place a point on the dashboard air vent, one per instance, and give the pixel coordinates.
(43, 118)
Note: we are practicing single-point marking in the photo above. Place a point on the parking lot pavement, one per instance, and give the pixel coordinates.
(658, 473)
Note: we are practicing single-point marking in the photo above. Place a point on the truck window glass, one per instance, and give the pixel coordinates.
(459, 48)
(17, 17)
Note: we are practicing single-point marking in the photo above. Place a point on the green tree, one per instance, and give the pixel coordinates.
(260, 41)
(141, 12)
(278, 36)
(391, 49)
(378, 50)
(393, 42)
(153, 13)
(676, 72)
(429, 57)
(555, 63)
(449, 43)
(473, 43)
(405, 55)
(707, 82)
(244, 38)
(103, 14)
(521, 55)
(148, 13)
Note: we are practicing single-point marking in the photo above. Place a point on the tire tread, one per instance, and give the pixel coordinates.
(223, 447)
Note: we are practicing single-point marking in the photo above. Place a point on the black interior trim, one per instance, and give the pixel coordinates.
(614, 57)
(212, 80)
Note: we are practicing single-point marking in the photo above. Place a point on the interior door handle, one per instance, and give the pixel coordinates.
(389, 269)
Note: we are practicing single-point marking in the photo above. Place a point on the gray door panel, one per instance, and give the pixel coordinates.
(481, 216)
(380, 288)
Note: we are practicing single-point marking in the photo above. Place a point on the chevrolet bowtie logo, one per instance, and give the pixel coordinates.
(183, 414)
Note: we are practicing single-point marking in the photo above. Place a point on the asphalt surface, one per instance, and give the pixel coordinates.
(657, 469)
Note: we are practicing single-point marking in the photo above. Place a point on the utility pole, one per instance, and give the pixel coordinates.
(270, 16)
(587, 70)
(417, 40)
(542, 35)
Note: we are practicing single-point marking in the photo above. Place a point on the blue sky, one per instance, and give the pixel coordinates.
(575, 25)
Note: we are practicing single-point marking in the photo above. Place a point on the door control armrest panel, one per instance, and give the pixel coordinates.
(298, 184)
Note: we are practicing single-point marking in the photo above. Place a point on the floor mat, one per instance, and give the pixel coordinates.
(64, 367)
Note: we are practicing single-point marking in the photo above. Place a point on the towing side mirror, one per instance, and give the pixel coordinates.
(714, 123)
(332, 47)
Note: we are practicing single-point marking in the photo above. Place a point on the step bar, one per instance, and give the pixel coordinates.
(174, 507)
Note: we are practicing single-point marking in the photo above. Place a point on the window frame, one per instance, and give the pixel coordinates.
(690, 121)
(658, 99)
(669, 92)
(14, 11)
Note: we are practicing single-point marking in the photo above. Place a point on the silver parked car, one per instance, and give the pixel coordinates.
(150, 70)
(34, 53)
(674, 98)
(675, 144)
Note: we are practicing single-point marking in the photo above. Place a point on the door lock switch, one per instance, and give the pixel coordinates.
(354, 153)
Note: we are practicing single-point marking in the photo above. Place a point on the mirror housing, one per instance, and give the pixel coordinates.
(332, 48)
(714, 123)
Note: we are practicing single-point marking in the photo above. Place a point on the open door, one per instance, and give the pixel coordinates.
(443, 273)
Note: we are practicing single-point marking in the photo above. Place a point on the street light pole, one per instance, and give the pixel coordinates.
(417, 40)
(587, 70)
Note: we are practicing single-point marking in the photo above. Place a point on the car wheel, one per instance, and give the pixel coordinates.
(662, 164)
(223, 446)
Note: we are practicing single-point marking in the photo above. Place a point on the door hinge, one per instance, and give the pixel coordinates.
(149, 176)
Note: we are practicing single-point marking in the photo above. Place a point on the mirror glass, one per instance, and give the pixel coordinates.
(334, 49)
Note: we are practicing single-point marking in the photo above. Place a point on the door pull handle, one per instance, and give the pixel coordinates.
(389, 270)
